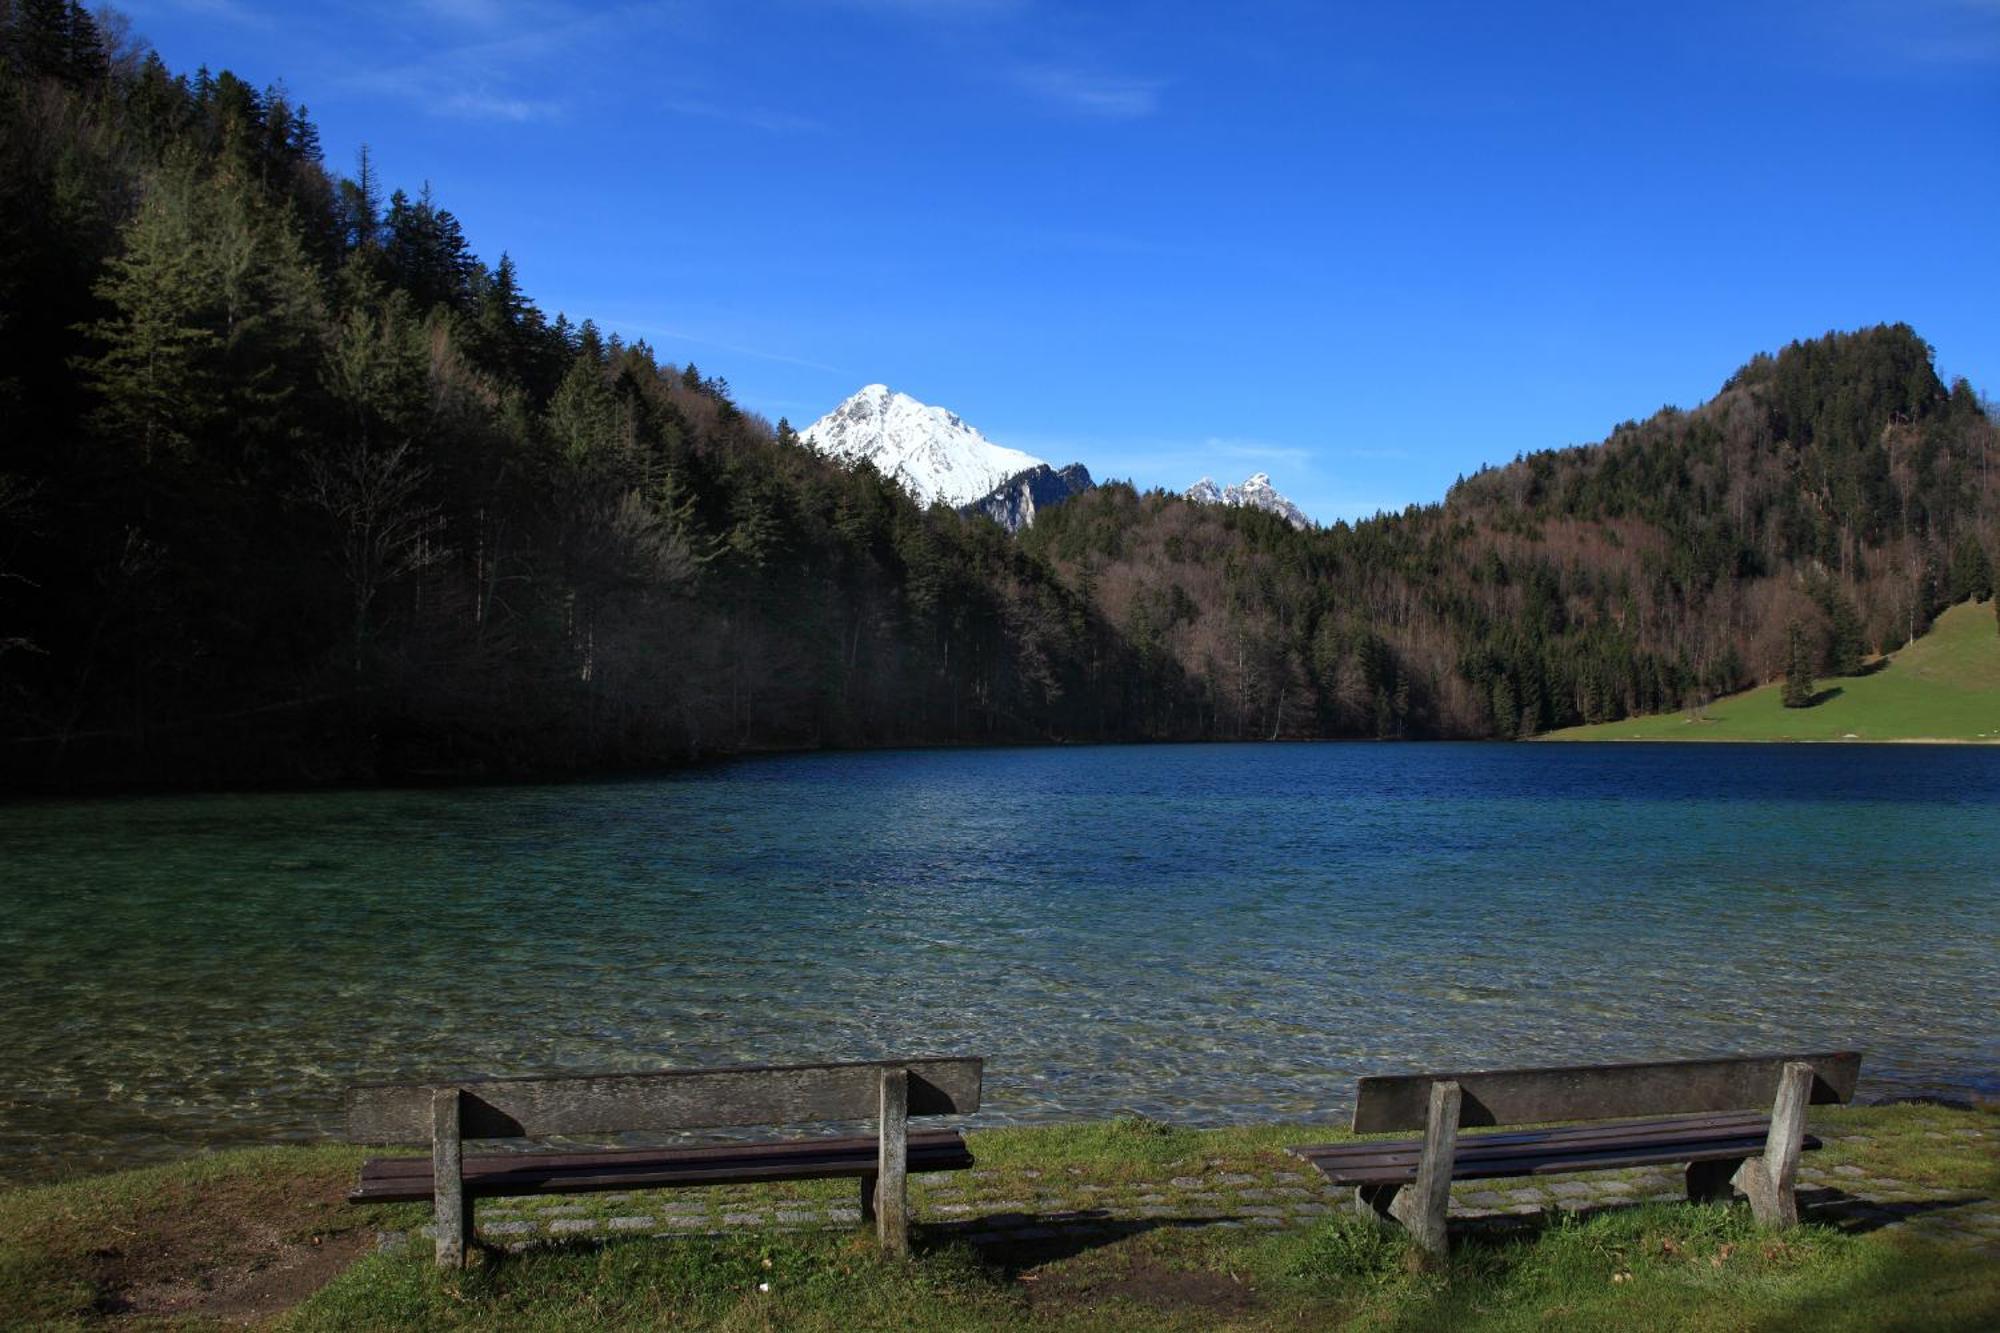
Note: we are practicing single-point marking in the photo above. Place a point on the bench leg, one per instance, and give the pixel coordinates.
(1769, 1179)
(1422, 1207)
(1372, 1201)
(867, 1199)
(1709, 1182)
(453, 1210)
(892, 1195)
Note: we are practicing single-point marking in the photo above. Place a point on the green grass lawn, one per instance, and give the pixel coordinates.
(1943, 687)
(262, 1238)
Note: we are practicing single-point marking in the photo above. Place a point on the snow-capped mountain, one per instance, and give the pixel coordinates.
(932, 452)
(1257, 492)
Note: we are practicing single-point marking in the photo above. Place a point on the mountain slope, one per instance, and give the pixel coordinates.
(1838, 484)
(929, 451)
(1014, 503)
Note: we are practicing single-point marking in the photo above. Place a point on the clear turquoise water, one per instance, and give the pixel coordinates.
(1208, 934)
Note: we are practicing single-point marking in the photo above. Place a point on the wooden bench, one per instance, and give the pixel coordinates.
(1709, 1126)
(447, 1114)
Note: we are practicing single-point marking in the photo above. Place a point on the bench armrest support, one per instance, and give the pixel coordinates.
(1769, 1179)
(892, 1199)
(453, 1208)
(1421, 1207)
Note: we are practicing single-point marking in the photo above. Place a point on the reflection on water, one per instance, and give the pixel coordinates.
(1202, 933)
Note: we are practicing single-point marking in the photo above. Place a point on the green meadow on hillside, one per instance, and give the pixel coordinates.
(1943, 687)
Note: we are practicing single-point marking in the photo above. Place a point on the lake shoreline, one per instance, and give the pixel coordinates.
(1121, 1225)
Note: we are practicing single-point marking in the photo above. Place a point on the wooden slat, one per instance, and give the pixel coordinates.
(1384, 1104)
(653, 1173)
(749, 1150)
(662, 1101)
(1600, 1159)
(1469, 1161)
(835, 1163)
(1474, 1146)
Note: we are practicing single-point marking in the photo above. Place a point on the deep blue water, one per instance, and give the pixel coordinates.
(1207, 934)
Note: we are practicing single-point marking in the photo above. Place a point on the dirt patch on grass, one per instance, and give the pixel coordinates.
(236, 1249)
(1148, 1285)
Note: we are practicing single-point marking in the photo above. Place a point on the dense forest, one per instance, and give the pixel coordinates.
(1837, 488)
(294, 487)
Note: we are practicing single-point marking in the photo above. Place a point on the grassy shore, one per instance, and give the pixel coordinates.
(263, 1238)
(1943, 687)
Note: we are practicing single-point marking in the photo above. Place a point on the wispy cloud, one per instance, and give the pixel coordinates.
(483, 106)
(1924, 33)
(1258, 451)
(1173, 463)
(1090, 93)
(231, 11)
(518, 42)
(756, 117)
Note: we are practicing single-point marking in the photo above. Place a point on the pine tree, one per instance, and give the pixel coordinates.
(1798, 691)
(214, 325)
(1971, 575)
(157, 377)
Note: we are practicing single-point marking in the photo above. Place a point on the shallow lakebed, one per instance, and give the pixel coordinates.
(1208, 934)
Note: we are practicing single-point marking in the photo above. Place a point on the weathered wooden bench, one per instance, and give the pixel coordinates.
(1709, 1125)
(447, 1114)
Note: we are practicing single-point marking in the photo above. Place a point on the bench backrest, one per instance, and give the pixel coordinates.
(661, 1101)
(1388, 1103)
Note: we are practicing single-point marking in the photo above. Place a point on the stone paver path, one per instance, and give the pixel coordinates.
(992, 1207)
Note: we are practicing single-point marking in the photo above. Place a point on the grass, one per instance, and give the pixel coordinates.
(1943, 687)
(213, 1240)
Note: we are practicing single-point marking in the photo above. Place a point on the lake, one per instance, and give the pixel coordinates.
(1199, 933)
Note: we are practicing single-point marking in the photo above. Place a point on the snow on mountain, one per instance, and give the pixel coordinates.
(1257, 492)
(930, 451)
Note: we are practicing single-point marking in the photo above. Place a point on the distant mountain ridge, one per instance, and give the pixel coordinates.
(940, 458)
(1256, 492)
(1014, 503)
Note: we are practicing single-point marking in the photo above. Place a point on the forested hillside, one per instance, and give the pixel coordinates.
(1837, 485)
(295, 487)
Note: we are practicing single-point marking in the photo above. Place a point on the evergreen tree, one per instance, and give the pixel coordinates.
(1798, 691)
(158, 377)
(1971, 576)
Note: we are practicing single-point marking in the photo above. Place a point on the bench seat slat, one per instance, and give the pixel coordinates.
(1473, 1147)
(536, 1173)
(1543, 1160)
(748, 1149)
(1608, 1129)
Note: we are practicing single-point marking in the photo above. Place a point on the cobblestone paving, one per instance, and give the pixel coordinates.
(994, 1207)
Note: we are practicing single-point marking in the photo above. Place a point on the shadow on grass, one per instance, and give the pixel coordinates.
(1028, 1242)
(1857, 1216)
(1847, 1213)
(1008, 1242)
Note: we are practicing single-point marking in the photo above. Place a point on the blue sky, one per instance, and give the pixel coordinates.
(1362, 248)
